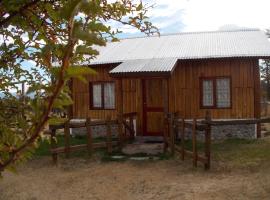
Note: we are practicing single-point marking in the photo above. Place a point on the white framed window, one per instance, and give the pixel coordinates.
(109, 95)
(97, 95)
(215, 92)
(208, 93)
(102, 95)
(223, 91)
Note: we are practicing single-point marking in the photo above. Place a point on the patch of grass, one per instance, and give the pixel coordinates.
(164, 156)
(188, 145)
(44, 146)
(233, 152)
(241, 152)
(237, 152)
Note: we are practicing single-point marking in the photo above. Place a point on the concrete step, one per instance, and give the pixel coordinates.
(148, 139)
(143, 148)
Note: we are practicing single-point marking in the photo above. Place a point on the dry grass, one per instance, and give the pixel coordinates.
(240, 170)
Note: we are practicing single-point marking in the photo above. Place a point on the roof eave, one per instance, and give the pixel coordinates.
(163, 74)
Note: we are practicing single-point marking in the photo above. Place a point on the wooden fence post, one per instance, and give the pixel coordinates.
(165, 133)
(109, 134)
(207, 140)
(194, 142)
(176, 125)
(171, 133)
(120, 129)
(183, 139)
(89, 136)
(67, 139)
(53, 145)
(132, 133)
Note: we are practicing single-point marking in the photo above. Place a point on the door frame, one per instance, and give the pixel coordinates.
(146, 109)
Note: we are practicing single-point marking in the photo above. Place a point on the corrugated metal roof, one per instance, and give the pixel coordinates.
(197, 45)
(146, 65)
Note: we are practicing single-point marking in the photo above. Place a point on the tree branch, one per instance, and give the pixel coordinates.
(15, 13)
(45, 115)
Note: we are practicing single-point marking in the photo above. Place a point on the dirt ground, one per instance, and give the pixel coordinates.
(77, 178)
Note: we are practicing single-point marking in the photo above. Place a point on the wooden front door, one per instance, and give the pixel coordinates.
(153, 111)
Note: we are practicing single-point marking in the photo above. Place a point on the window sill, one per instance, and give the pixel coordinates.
(102, 109)
(205, 108)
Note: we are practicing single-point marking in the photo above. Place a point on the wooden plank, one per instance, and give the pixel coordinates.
(202, 159)
(89, 136)
(171, 133)
(82, 147)
(129, 114)
(71, 148)
(236, 122)
(183, 139)
(67, 139)
(189, 153)
(132, 132)
(82, 124)
(103, 144)
(120, 130)
(109, 134)
(166, 137)
(207, 141)
(194, 143)
(120, 96)
(188, 124)
(257, 96)
(165, 95)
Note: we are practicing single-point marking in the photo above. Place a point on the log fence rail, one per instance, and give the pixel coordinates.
(176, 127)
(126, 131)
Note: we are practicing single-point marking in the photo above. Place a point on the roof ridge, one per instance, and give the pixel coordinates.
(193, 32)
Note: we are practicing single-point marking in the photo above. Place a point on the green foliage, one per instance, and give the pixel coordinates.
(58, 36)
(265, 77)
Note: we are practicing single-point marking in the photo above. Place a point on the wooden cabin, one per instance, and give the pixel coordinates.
(187, 73)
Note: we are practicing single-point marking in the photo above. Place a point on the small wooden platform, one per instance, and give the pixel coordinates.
(149, 145)
(149, 149)
(148, 139)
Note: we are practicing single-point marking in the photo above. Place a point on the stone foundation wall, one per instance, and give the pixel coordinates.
(97, 131)
(246, 131)
(243, 131)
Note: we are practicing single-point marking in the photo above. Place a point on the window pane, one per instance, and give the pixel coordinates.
(208, 99)
(109, 96)
(97, 99)
(223, 93)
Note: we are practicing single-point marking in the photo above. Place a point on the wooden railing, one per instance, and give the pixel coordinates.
(128, 122)
(123, 121)
(175, 124)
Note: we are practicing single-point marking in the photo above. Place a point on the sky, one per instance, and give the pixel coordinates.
(172, 16)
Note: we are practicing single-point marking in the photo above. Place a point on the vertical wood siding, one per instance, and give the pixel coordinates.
(81, 107)
(184, 87)
(184, 90)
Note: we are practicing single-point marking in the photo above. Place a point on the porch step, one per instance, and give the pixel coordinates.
(148, 139)
(143, 148)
